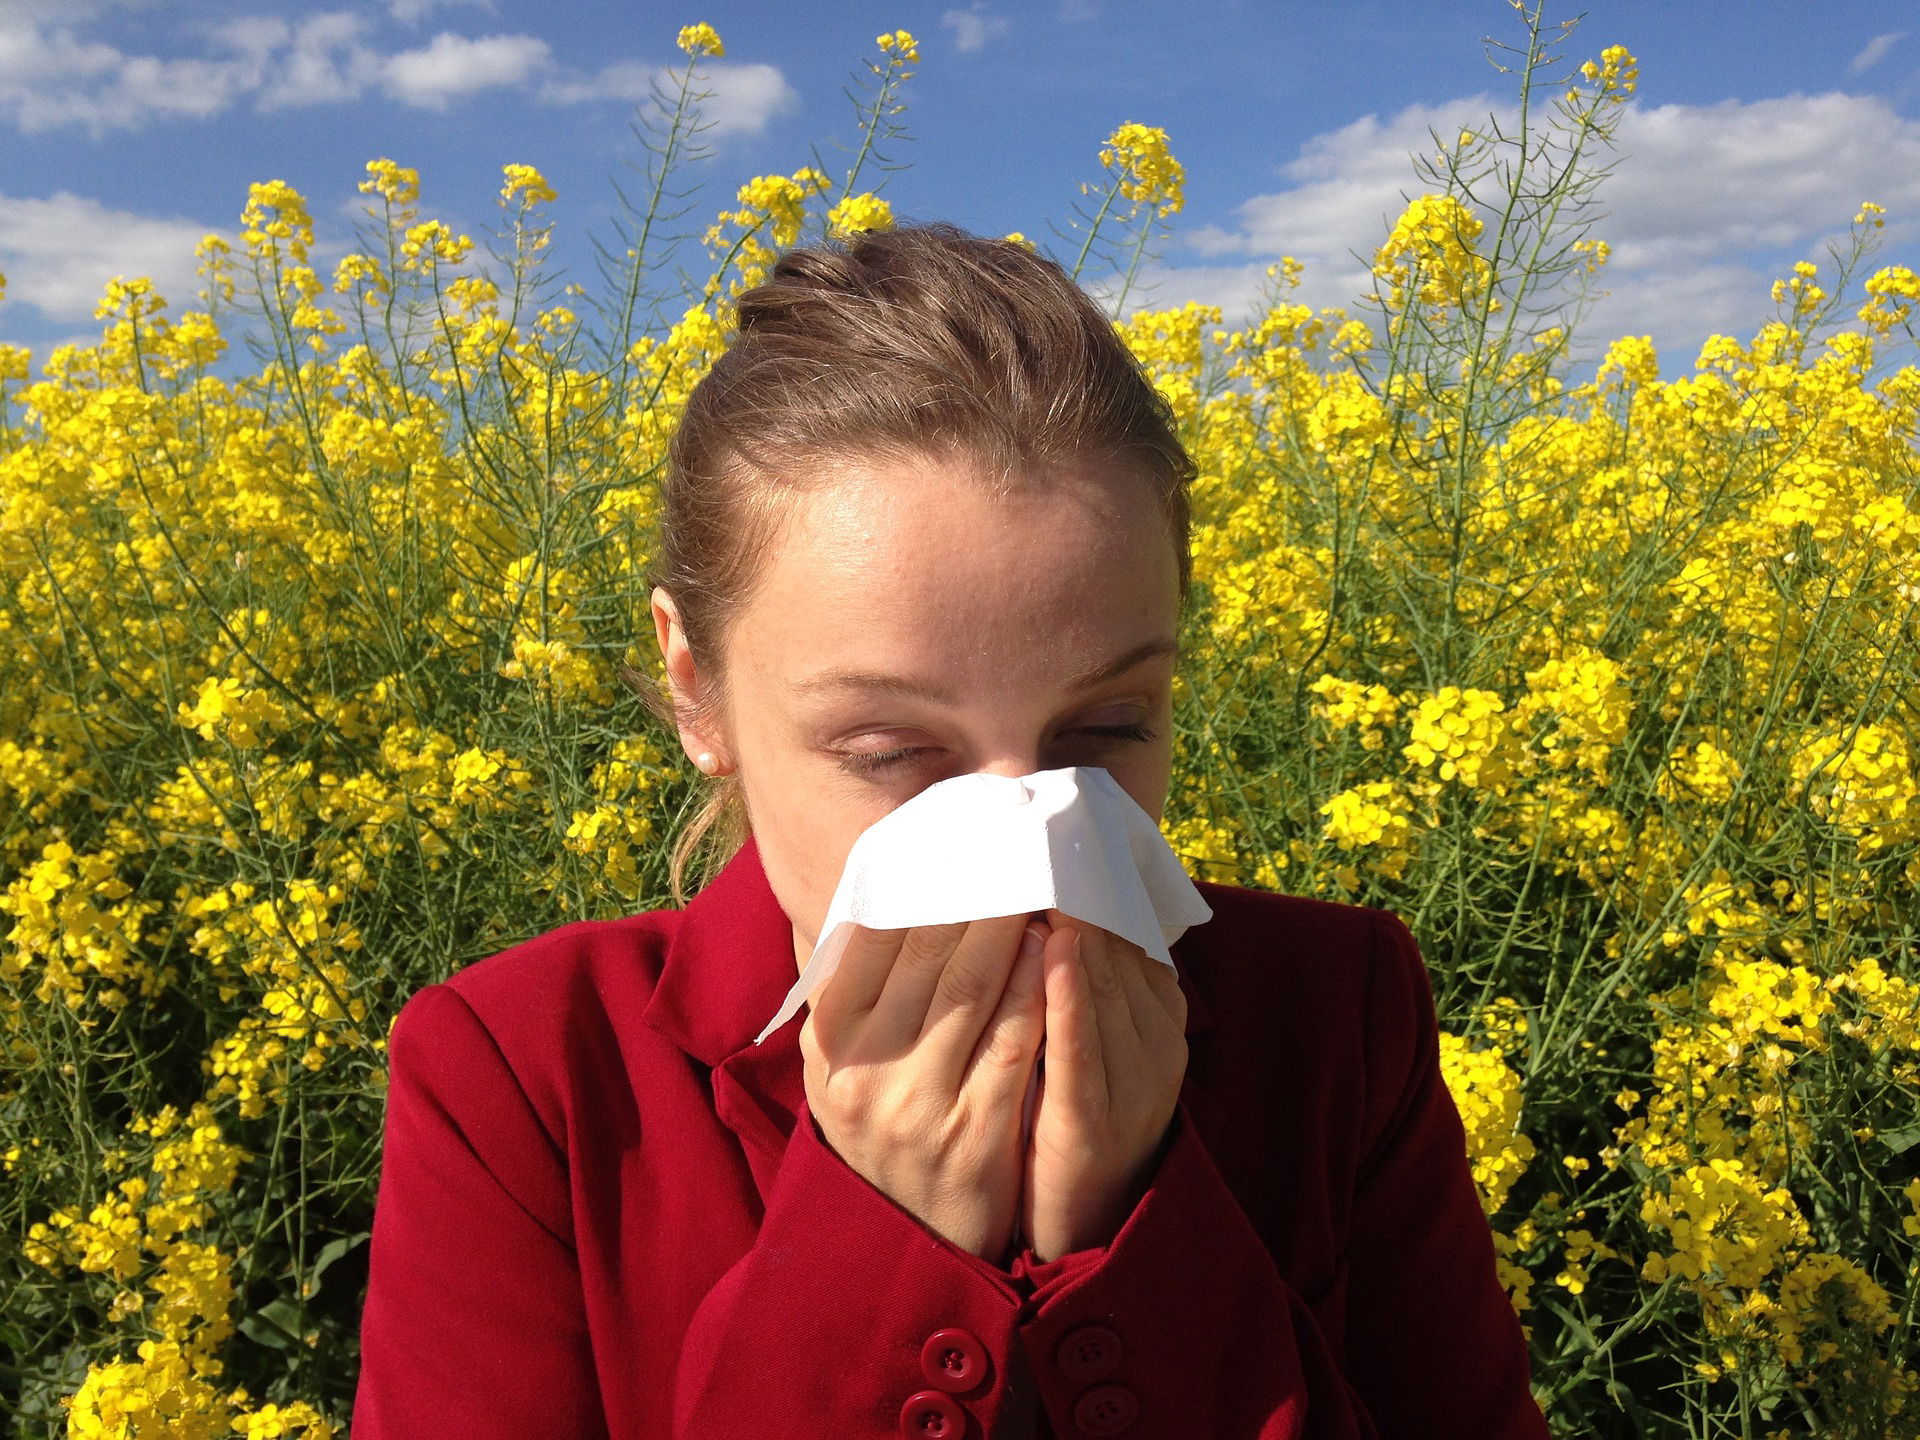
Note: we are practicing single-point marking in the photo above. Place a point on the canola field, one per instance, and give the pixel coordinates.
(324, 620)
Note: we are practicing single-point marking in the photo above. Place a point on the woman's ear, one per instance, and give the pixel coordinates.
(684, 681)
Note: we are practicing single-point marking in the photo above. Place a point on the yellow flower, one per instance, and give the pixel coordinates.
(396, 184)
(1367, 708)
(431, 241)
(899, 46)
(1862, 781)
(700, 39)
(859, 212)
(525, 186)
(276, 213)
(1432, 243)
(1373, 815)
(1891, 293)
(225, 707)
(1615, 75)
(1487, 1092)
(1144, 168)
(1580, 706)
(163, 1392)
(1463, 734)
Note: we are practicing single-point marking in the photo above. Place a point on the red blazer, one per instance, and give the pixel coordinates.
(604, 1212)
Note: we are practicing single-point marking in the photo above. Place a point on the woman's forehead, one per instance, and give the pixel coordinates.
(890, 565)
(897, 514)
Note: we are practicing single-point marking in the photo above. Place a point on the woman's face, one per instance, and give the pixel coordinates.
(912, 627)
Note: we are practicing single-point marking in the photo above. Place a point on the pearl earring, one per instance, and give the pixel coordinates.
(705, 761)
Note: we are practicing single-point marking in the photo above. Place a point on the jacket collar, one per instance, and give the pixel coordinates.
(727, 965)
(730, 962)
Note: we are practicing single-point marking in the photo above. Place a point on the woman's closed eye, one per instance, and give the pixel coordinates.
(876, 761)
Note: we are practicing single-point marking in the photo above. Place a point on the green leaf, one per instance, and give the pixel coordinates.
(329, 1253)
(1900, 1141)
(275, 1324)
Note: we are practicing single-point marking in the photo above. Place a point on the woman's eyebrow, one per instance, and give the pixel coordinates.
(911, 688)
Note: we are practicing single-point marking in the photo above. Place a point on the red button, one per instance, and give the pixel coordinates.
(1106, 1410)
(953, 1360)
(1088, 1352)
(932, 1415)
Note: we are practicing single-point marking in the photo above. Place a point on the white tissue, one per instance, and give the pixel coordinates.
(980, 844)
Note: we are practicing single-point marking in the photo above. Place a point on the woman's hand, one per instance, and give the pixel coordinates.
(917, 1055)
(1116, 1054)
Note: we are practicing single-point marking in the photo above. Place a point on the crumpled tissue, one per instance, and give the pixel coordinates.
(980, 844)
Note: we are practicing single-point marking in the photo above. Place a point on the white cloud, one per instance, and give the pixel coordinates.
(973, 28)
(451, 66)
(323, 61)
(59, 252)
(743, 99)
(51, 76)
(1706, 205)
(254, 36)
(411, 12)
(1700, 180)
(627, 80)
(746, 97)
(1875, 50)
(1236, 289)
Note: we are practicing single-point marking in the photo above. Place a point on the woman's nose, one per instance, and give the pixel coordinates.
(1015, 765)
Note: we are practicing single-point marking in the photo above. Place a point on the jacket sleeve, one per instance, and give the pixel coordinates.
(1182, 1325)
(848, 1317)
(1435, 1346)
(474, 1323)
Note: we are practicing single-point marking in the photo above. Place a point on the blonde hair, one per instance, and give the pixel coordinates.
(921, 342)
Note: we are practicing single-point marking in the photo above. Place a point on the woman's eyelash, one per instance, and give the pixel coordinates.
(878, 760)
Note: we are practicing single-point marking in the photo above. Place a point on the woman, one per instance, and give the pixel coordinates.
(927, 517)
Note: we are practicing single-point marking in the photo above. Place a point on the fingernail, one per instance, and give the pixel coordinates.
(1032, 942)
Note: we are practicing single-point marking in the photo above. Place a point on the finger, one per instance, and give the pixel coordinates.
(856, 984)
(1130, 968)
(1158, 1044)
(969, 987)
(1128, 1020)
(1001, 1065)
(1074, 1064)
(901, 1010)
(1100, 957)
(1163, 982)
(951, 972)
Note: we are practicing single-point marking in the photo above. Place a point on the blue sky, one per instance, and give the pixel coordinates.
(128, 128)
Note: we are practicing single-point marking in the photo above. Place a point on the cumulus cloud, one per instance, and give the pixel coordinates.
(58, 253)
(1705, 206)
(453, 66)
(50, 77)
(53, 76)
(1875, 50)
(411, 12)
(746, 97)
(1238, 290)
(321, 60)
(743, 98)
(973, 28)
